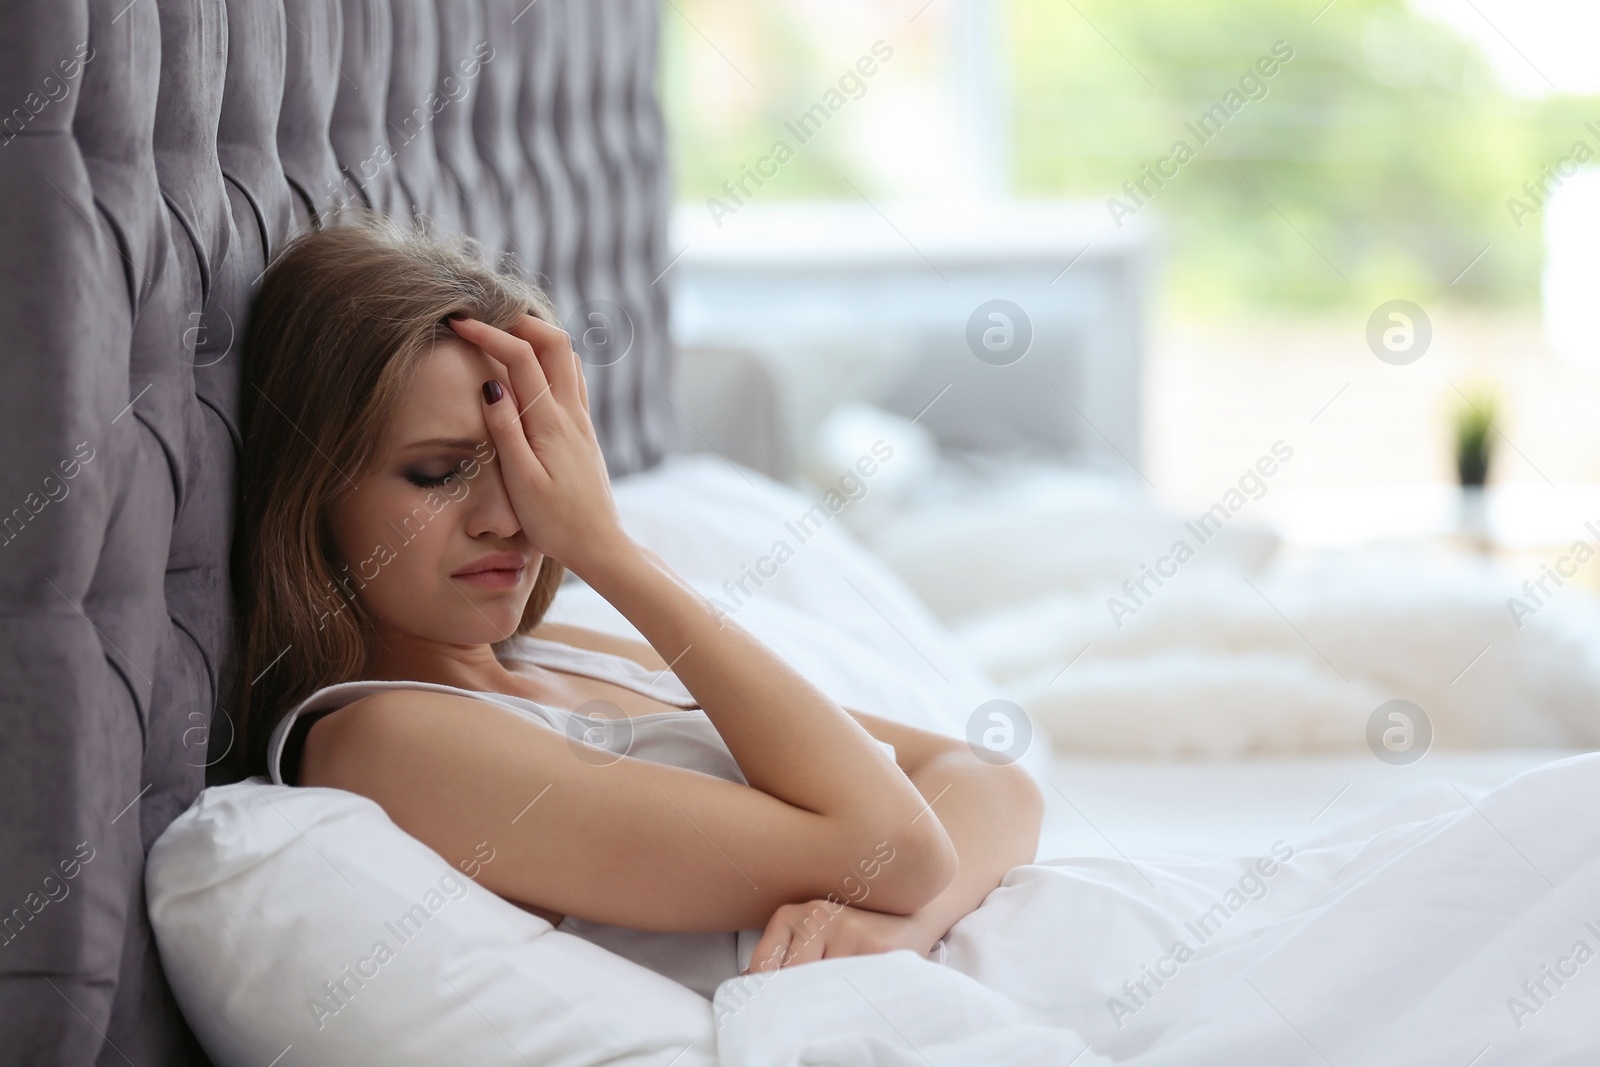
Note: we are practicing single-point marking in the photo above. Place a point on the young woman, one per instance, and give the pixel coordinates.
(419, 470)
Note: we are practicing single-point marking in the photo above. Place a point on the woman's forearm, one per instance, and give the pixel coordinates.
(790, 739)
(993, 815)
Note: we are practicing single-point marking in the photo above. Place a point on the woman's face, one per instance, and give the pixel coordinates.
(435, 509)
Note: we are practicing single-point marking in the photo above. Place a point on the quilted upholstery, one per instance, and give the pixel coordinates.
(153, 155)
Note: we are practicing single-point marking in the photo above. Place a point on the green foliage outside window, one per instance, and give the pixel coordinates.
(1378, 161)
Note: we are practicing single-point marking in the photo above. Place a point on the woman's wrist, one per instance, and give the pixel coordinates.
(603, 555)
(929, 924)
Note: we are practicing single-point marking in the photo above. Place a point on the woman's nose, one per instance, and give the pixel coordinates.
(489, 509)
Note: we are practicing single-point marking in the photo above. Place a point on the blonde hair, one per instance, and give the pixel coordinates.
(336, 333)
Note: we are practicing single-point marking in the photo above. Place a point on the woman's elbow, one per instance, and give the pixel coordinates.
(939, 870)
(921, 862)
(1029, 803)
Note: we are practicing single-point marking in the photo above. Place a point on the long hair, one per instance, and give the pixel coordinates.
(338, 328)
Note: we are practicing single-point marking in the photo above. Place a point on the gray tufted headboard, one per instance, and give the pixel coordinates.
(153, 155)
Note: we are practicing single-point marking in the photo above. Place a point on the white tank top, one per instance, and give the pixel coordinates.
(686, 738)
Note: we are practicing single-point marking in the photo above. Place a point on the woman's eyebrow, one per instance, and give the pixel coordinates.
(444, 442)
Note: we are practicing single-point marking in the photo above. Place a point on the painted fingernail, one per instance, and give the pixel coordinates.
(456, 315)
(492, 391)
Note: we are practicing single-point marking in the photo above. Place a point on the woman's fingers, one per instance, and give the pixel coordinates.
(808, 949)
(518, 461)
(528, 381)
(556, 357)
(772, 950)
(783, 944)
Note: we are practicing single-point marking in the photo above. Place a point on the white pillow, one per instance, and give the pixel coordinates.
(267, 899)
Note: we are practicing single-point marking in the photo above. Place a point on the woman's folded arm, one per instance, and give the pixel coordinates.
(992, 813)
(626, 842)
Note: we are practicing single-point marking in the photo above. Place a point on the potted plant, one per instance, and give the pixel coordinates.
(1474, 449)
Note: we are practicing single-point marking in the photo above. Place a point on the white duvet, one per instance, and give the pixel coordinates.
(1444, 929)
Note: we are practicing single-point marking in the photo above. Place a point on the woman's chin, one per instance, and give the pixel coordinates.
(494, 614)
(503, 621)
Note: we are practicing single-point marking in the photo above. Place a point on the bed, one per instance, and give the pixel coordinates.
(1271, 907)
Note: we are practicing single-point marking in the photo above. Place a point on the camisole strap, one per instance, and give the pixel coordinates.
(288, 737)
(285, 744)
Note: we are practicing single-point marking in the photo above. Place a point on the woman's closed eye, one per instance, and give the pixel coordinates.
(429, 481)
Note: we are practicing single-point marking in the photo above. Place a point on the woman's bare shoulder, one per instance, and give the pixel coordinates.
(383, 715)
(598, 641)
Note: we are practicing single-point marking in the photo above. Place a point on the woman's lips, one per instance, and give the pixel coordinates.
(497, 579)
